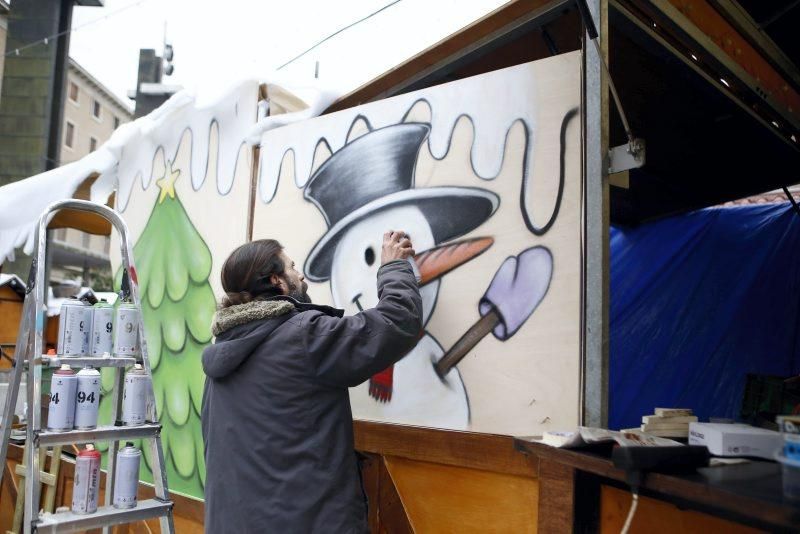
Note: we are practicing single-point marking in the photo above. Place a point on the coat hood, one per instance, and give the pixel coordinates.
(240, 330)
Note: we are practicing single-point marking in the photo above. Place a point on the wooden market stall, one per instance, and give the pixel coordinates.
(705, 99)
(721, 118)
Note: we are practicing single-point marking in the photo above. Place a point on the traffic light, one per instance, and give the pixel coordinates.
(169, 68)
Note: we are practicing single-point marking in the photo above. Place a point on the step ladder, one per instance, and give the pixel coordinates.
(29, 356)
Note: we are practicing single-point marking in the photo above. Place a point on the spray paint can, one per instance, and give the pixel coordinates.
(126, 481)
(415, 268)
(126, 330)
(134, 396)
(102, 328)
(61, 412)
(85, 491)
(87, 398)
(74, 328)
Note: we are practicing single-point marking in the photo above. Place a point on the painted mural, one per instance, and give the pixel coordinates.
(183, 192)
(484, 176)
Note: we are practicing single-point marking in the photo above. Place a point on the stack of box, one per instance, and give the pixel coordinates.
(669, 422)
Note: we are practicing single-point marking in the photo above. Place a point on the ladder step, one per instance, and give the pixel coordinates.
(94, 361)
(101, 433)
(104, 516)
(44, 476)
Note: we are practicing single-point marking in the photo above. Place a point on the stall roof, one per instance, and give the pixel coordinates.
(721, 121)
(428, 67)
(708, 140)
(771, 25)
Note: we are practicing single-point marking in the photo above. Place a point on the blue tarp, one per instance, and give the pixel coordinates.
(697, 302)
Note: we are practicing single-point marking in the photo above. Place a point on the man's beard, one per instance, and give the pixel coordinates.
(299, 293)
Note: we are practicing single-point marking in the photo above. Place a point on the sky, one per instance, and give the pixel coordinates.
(217, 43)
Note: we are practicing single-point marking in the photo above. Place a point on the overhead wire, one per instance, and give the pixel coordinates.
(46, 40)
(337, 32)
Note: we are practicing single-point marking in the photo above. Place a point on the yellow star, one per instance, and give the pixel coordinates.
(167, 183)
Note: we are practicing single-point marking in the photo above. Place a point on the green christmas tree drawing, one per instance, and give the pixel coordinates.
(173, 264)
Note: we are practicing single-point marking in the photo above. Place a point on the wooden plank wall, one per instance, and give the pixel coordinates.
(426, 480)
(657, 517)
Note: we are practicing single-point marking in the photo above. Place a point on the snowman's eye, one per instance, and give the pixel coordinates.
(369, 256)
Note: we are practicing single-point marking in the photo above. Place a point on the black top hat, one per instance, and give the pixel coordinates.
(376, 172)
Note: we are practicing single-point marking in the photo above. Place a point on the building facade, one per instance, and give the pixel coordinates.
(91, 114)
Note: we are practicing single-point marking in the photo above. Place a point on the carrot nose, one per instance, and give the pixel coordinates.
(438, 261)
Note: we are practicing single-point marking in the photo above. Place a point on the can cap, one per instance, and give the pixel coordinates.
(89, 451)
(129, 444)
(65, 367)
(138, 366)
(51, 352)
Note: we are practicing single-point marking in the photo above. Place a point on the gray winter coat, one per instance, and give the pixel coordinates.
(276, 414)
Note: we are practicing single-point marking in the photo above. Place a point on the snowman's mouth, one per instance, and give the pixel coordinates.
(357, 303)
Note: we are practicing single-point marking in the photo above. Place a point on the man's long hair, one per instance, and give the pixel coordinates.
(246, 273)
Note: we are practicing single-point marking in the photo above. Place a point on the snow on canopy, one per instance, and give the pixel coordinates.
(234, 113)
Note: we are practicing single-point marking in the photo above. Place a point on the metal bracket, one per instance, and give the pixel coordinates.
(625, 157)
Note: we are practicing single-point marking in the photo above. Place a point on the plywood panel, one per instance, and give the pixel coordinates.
(439, 498)
(658, 517)
(493, 158)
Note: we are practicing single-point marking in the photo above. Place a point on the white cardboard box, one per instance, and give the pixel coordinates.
(735, 439)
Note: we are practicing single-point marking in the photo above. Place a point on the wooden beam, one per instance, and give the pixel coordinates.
(81, 220)
(736, 46)
(488, 452)
(556, 497)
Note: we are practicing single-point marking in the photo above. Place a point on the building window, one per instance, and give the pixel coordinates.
(116, 122)
(107, 245)
(61, 234)
(73, 92)
(92, 144)
(69, 135)
(85, 240)
(96, 109)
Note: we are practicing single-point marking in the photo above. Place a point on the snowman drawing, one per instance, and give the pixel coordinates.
(363, 190)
